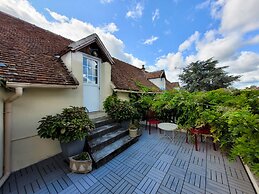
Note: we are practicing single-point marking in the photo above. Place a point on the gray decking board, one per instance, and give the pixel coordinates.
(152, 165)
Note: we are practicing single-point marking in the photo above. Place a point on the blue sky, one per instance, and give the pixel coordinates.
(166, 34)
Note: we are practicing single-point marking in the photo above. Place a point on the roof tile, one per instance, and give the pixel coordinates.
(28, 53)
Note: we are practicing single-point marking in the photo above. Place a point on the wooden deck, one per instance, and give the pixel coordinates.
(152, 165)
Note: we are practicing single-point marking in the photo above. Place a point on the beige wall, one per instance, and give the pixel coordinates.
(2, 97)
(105, 82)
(27, 147)
(123, 95)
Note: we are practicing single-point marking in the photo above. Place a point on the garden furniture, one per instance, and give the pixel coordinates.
(168, 127)
(201, 131)
(151, 120)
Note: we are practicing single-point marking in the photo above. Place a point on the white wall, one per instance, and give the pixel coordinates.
(159, 82)
(123, 96)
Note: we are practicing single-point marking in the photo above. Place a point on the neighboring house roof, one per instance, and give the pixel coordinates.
(27, 54)
(172, 85)
(155, 74)
(128, 77)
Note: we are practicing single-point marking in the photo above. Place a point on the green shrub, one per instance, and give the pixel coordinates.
(119, 110)
(71, 124)
(232, 115)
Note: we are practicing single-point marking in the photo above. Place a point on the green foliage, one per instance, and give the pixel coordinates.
(142, 103)
(71, 124)
(205, 76)
(232, 115)
(119, 110)
(82, 156)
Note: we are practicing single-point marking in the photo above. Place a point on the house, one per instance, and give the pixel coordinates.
(42, 72)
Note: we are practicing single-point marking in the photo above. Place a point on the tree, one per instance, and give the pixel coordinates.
(205, 76)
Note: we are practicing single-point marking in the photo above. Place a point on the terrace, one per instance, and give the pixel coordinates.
(152, 165)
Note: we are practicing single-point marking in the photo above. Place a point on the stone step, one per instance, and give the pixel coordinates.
(102, 141)
(104, 155)
(102, 130)
(101, 121)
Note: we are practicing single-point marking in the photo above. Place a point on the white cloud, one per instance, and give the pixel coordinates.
(155, 15)
(56, 16)
(150, 40)
(203, 5)
(71, 28)
(254, 40)
(136, 12)
(111, 27)
(239, 15)
(133, 60)
(187, 43)
(106, 1)
(247, 61)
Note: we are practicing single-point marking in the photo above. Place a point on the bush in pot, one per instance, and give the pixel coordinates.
(119, 110)
(70, 127)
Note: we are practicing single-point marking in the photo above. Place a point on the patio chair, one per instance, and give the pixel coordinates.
(151, 119)
(202, 131)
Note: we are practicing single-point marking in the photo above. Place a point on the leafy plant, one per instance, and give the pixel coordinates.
(231, 114)
(71, 124)
(119, 110)
(82, 156)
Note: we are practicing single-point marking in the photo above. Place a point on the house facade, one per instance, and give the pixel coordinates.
(41, 73)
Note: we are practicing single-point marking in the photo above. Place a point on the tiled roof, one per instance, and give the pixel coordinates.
(27, 54)
(155, 74)
(126, 77)
(171, 85)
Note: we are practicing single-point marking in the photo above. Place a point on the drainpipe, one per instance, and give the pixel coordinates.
(7, 133)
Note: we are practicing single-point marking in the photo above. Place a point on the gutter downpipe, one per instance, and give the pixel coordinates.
(7, 132)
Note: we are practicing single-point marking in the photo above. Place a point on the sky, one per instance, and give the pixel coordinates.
(160, 34)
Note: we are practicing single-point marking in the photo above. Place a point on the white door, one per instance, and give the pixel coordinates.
(91, 85)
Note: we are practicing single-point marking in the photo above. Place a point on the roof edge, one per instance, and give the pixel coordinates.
(89, 40)
(34, 85)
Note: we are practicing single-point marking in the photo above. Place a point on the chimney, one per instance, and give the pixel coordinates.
(143, 68)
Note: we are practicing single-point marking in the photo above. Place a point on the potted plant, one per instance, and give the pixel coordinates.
(81, 163)
(119, 110)
(70, 127)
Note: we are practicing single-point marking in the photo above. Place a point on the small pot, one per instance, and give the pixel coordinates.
(133, 132)
(125, 124)
(80, 166)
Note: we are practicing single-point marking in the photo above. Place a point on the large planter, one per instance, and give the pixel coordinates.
(80, 166)
(125, 124)
(72, 148)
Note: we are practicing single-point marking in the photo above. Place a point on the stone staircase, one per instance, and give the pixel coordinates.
(107, 140)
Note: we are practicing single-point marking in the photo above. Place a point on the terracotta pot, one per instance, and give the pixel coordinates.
(80, 166)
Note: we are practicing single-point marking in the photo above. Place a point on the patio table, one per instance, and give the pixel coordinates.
(168, 127)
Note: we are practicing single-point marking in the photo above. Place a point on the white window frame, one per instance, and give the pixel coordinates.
(98, 60)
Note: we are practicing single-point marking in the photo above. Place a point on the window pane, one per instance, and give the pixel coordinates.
(90, 71)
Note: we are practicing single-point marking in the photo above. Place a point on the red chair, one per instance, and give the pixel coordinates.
(151, 120)
(202, 131)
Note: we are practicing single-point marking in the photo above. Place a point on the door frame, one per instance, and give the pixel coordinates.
(87, 56)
